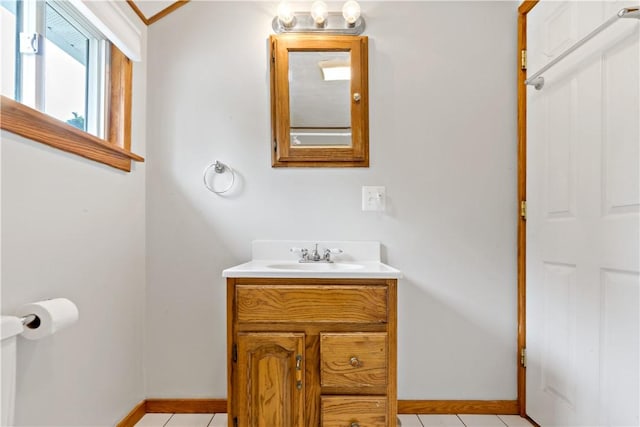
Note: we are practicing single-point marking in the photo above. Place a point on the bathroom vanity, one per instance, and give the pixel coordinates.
(311, 343)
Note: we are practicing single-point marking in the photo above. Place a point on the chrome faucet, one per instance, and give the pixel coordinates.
(314, 255)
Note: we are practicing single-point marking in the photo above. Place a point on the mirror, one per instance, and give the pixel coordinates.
(319, 92)
(319, 101)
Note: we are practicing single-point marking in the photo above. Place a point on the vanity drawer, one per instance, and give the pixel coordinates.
(354, 360)
(348, 411)
(311, 303)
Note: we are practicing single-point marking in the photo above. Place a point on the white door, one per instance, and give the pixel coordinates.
(583, 191)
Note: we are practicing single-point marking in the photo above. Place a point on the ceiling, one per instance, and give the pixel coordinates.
(152, 10)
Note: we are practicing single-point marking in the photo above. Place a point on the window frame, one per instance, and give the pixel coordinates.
(114, 150)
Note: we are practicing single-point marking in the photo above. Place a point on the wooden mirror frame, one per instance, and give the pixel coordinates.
(283, 154)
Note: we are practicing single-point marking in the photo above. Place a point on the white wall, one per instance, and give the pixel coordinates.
(75, 228)
(443, 142)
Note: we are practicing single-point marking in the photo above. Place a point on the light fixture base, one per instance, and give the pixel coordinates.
(334, 24)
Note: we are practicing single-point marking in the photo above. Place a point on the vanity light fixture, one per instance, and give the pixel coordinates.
(319, 19)
(351, 12)
(319, 12)
(285, 14)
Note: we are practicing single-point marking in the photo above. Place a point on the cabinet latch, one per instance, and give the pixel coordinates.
(299, 372)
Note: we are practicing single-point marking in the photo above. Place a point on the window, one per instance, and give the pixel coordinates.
(8, 32)
(66, 59)
(58, 65)
(59, 70)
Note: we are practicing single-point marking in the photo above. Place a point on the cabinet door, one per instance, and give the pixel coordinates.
(270, 380)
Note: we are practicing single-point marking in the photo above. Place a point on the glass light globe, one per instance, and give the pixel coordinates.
(319, 12)
(351, 11)
(285, 13)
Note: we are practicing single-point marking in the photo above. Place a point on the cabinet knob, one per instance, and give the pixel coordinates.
(356, 97)
(355, 363)
(355, 424)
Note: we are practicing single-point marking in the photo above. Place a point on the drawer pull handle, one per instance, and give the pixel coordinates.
(356, 364)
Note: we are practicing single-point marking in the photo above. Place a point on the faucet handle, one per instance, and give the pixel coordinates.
(329, 251)
(304, 253)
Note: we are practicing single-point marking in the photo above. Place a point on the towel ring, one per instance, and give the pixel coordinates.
(219, 168)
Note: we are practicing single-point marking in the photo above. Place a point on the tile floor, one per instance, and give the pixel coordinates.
(183, 420)
(220, 420)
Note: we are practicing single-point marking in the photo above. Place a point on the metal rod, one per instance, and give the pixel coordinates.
(28, 319)
(629, 12)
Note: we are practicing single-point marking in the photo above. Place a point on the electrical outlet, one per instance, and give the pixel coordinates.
(374, 199)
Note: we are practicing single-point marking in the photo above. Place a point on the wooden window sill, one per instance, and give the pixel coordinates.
(33, 124)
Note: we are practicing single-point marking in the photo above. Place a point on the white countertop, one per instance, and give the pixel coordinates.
(288, 269)
(359, 260)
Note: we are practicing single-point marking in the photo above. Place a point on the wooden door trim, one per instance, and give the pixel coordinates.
(523, 10)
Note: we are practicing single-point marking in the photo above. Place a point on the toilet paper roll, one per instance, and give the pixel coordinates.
(53, 315)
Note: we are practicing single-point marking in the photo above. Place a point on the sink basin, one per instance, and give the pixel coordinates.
(274, 259)
(319, 266)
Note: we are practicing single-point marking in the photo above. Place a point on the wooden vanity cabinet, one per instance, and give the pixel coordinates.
(311, 352)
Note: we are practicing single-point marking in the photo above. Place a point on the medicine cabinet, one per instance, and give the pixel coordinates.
(319, 100)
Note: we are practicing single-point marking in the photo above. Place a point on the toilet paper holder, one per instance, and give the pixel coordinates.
(44, 318)
(30, 319)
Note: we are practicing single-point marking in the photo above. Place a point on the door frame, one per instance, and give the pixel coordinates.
(523, 10)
